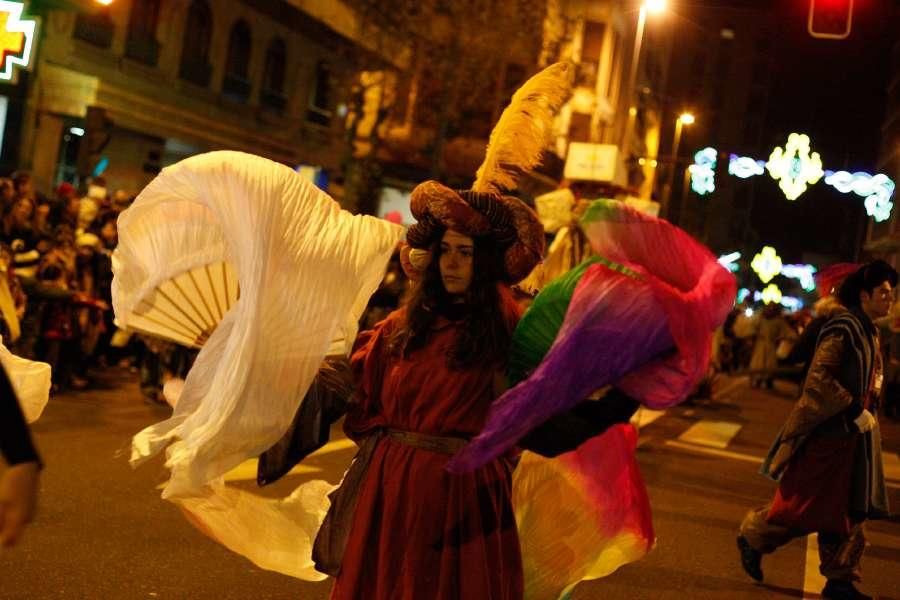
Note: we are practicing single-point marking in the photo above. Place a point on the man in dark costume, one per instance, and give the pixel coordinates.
(827, 457)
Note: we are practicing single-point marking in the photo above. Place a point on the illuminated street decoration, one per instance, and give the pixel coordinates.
(791, 303)
(703, 171)
(742, 294)
(771, 295)
(794, 167)
(766, 264)
(16, 39)
(876, 189)
(803, 273)
(729, 261)
(768, 260)
(744, 166)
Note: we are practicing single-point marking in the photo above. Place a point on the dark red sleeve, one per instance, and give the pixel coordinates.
(15, 439)
(368, 361)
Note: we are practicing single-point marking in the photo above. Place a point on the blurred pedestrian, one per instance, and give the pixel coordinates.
(16, 229)
(67, 206)
(827, 458)
(7, 194)
(771, 329)
(23, 184)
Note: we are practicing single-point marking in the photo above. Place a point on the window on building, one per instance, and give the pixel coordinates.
(141, 44)
(580, 128)
(236, 85)
(320, 100)
(273, 76)
(591, 51)
(195, 44)
(615, 66)
(95, 27)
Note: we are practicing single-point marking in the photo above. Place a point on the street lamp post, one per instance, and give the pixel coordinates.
(651, 6)
(682, 120)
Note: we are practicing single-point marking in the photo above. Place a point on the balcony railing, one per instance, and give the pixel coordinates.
(273, 101)
(319, 116)
(94, 29)
(143, 49)
(198, 72)
(236, 88)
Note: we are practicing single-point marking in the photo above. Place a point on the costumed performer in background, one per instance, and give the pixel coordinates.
(827, 458)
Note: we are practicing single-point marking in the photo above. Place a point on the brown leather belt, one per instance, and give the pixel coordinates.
(424, 441)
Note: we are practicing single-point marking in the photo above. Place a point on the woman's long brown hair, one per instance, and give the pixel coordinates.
(486, 331)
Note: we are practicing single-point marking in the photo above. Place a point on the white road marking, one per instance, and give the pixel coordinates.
(715, 434)
(246, 471)
(813, 581)
(714, 452)
(645, 416)
(740, 381)
(891, 466)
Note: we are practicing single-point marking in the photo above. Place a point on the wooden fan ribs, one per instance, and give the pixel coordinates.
(180, 309)
(212, 287)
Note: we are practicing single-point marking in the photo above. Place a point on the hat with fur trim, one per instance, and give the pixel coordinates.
(513, 225)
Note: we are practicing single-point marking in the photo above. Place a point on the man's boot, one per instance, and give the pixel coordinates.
(841, 589)
(751, 558)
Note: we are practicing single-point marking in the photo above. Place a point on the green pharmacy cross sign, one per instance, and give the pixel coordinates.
(795, 167)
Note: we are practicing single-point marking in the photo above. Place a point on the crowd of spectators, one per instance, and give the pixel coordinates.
(55, 283)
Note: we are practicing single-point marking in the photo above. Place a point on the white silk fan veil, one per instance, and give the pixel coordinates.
(242, 256)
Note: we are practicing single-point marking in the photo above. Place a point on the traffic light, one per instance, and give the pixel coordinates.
(830, 19)
(97, 133)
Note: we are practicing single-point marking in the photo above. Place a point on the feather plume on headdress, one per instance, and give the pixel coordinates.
(522, 133)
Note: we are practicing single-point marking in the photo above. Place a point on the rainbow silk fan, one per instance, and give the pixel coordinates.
(640, 318)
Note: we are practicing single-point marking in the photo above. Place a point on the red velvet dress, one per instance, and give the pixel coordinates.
(419, 531)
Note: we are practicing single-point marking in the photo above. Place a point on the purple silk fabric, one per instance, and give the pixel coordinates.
(650, 335)
(613, 326)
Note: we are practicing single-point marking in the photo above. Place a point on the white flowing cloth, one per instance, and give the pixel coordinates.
(30, 380)
(306, 270)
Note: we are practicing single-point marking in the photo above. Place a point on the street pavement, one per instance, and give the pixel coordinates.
(104, 533)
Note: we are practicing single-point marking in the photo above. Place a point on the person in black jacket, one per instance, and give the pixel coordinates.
(19, 482)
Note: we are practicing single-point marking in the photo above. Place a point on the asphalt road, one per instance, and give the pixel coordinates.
(103, 532)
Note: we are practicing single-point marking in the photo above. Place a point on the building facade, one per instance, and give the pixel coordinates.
(127, 89)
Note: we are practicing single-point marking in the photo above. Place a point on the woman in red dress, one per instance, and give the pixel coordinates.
(426, 378)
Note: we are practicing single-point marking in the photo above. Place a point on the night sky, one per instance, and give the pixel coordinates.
(835, 92)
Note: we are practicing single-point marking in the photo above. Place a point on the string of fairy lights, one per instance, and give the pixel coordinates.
(796, 167)
(767, 265)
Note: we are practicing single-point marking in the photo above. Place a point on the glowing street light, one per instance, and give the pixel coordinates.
(683, 119)
(104, 2)
(652, 7)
